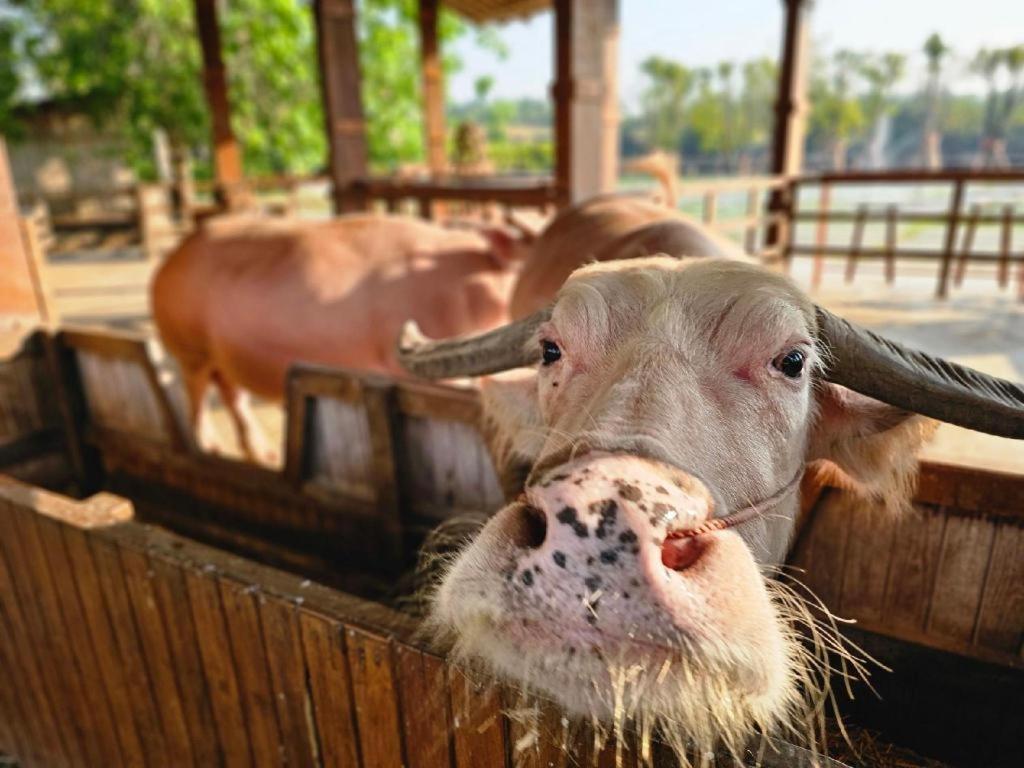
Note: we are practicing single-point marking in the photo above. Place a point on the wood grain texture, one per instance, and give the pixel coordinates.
(478, 724)
(330, 690)
(1000, 624)
(375, 696)
(426, 718)
(219, 668)
(960, 578)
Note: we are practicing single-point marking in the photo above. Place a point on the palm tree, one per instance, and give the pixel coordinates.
(1000, 105)
(936, 50)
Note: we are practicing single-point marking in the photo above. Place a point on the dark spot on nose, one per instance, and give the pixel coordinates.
(527, 578)
(559, 557)
(593, 583)
(629, 492)
(609, 556)
(607, 510)
(568, 517)
(627, 537)
(528, 528)
(661, 489)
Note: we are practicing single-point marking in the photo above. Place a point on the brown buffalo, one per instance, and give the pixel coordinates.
(243, 299)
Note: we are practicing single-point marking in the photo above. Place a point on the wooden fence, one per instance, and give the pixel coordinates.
(191, 652)
(817, 200)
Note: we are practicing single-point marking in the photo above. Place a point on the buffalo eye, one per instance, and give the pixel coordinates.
(791, 364)
(550, 353)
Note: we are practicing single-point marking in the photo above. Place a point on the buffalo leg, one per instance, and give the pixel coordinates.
(253, 441)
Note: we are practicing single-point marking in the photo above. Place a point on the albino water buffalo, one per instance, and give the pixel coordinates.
(662, 434)
(242, 299)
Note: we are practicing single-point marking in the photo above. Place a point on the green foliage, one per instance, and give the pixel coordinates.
(663, 102)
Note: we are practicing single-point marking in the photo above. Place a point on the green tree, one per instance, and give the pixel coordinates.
(836, 113)
(1000, 102)
(663, 102)
(880, 74)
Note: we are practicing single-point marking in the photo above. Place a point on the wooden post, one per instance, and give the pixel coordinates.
(967, 244)
(433, 88)
(343, 104)
(19, 305)
(856, 242)
(790, 107)
(1005, 241)
(952, 224)
(891, 235)
(821, 234)
(227, 159)
(562, 93)
(594, 135)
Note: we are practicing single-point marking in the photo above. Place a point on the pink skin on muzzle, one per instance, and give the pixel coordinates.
(601, 555)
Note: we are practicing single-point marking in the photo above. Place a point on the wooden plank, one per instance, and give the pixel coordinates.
(219, 668)
(243, 625)
(131, 720)
(856, 242)
(330, 690)
(967, 244)
(1000, 624)
(539, 738)
(156, 652)
(1005, 244)
(283, 643)
(891, 242)
(912, 569)
(960, 577)
(172, 598)
(426, 719)
(753, 218)
(372, 671)
(136, 678)
(47, 635)
(955, 204)
(46, 743)
(870, 542)
(823, 548)
(478, 724)
(95, 685)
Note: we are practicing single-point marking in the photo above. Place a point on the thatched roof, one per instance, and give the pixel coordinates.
(497, 10)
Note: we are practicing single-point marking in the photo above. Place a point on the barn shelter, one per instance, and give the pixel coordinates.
(584, 91)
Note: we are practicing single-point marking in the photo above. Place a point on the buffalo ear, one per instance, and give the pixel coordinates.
(507, 246)
(872, 445)
(512, 426)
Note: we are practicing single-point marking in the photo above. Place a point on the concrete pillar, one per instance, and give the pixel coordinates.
(594, 145)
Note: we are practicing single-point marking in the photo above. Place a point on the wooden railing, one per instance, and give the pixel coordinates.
(959, 219)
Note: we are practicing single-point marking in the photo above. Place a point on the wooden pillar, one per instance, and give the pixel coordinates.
(433, 87)
(343, 104)
(790, 109)
(19, 303)
(562, 92)
(227, 159)
(594, 143)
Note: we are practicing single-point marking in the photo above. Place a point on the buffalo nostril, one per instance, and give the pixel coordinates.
(682, 552)
(528, 527)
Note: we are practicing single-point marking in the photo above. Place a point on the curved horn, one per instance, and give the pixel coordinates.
(880, 368)
(498, 350)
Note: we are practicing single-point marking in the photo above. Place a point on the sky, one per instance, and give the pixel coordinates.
(698, 32)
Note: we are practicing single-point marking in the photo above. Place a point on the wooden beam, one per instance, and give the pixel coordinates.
(433, 87)
(227, 158)
(343, 104)
(562, 92)
(790, 111)
(791, 102)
